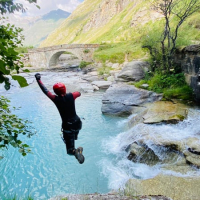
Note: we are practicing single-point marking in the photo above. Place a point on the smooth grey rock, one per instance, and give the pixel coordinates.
(90, 77)
(133, 71)
(121, 98)
(102, 84)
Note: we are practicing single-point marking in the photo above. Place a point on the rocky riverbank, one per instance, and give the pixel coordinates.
(109, 197)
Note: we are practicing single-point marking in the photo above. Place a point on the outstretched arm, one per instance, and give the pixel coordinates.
(76, 94)
(43, 88)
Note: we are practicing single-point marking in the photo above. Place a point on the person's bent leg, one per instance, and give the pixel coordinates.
(69, 138)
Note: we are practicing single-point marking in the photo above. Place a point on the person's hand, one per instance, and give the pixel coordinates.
(37, 76)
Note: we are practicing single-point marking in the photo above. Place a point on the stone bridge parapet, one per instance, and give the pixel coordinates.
(47, 57)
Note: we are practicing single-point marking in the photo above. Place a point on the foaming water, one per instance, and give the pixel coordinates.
(120, 170)
(49, 171)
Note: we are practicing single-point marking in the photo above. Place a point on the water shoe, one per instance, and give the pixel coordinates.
(79, 156)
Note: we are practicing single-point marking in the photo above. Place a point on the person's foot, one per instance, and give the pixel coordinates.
(79, 156)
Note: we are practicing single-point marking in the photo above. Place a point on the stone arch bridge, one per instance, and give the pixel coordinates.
(48, 56)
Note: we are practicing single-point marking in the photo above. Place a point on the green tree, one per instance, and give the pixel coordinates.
(10, 38)
(175, 12)
(11, 127)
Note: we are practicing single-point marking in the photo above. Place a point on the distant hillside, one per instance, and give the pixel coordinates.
(36, 29)
(56, 15)
(113, 21)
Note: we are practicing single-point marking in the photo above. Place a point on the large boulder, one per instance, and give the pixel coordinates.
(142, 154)
(165, 111)
(159, 112)
(133, 71)
(177, 188)
(120, 99)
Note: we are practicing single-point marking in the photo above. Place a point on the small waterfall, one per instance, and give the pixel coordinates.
(160, 149)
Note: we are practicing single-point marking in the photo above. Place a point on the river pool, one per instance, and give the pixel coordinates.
(49, 171)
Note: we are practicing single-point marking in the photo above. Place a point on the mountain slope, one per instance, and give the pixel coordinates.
(100, 20)
(110, 21)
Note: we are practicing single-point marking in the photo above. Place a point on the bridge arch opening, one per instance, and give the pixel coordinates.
(63, 59)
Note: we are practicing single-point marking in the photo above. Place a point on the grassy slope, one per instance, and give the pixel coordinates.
(117, 29)
(71, 28)
(124, 38)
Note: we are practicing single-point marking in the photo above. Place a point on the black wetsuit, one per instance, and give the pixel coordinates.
(71, 123)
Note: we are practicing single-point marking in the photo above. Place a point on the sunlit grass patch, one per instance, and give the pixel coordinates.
(119, 52)
(184, 92)
(173, 86)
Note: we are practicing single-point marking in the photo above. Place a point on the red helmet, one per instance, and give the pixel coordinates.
(59, 89)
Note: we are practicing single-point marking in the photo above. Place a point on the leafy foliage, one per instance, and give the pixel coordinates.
(9, 6)
(84, 64)
(11, 127)
(183, 92)
(162, 81)
(10, 39)
(86, 51)
(162, 51)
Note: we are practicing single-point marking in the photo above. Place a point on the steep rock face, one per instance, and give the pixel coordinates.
(189, 60)
(105, 12)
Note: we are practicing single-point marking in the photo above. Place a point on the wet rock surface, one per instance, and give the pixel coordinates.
(159, 112)
(165, 111)
(148, 150)
(177, 188)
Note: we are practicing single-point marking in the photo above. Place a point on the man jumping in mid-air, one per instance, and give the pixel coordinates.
(71, 123)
